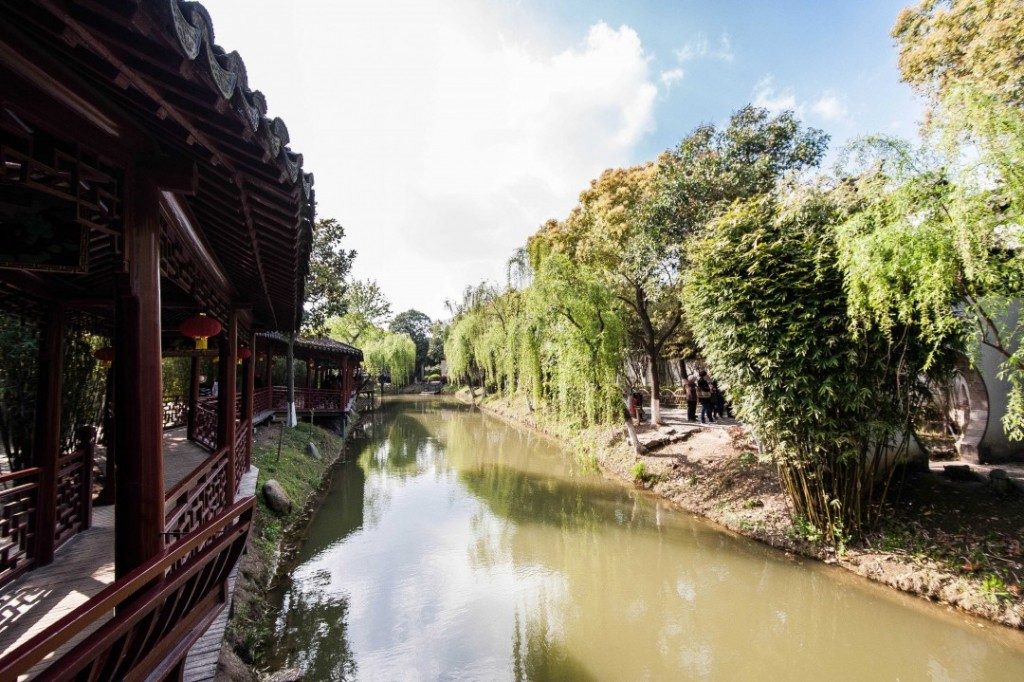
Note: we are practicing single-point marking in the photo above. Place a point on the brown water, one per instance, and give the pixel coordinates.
(456, 547)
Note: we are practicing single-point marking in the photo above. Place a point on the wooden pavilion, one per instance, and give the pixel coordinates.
(326, 386)
(141, 184)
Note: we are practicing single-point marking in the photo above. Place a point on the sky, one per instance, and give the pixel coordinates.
(442, 133)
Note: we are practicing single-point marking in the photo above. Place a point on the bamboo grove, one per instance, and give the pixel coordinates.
(823, 299)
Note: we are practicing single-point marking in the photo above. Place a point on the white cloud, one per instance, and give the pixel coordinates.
(670, 78)
(442, 133)
(829, 106)
(775, 101)
(701, 48)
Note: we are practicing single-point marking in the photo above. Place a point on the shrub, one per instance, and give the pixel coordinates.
(768, 305)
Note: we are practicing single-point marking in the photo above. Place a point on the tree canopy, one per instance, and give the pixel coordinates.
(417, 326)
(329, 266)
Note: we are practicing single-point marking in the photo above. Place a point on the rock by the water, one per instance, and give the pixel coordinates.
(287, 675)
(312, 451)
(231, 668)
(958, 472)
(276, 497)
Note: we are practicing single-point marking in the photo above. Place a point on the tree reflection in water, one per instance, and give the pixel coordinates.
(455, 546)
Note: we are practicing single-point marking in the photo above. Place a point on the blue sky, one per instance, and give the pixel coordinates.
(443, 132)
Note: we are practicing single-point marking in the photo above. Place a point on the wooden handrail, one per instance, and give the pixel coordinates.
(20, 473)
(61, 632)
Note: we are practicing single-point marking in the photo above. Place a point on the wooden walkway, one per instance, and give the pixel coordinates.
(83, 566)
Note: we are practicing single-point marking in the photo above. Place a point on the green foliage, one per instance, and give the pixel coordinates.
(366, 310)
(176, 377)
(995, 588)
(946, 42)
(711, 168)
(393, 354)
(829, 404)
(417, 326)
(17, 388)
(329, 266)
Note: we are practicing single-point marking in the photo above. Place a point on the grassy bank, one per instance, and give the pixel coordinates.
(956, 543)
(281, 455)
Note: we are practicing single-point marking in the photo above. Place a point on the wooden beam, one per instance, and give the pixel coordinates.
(173, 174)
(139, 510)
(30, 71)
(46, 443)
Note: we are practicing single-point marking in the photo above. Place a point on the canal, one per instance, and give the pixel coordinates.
(453, 546)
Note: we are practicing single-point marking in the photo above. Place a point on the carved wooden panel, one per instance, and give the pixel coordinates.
(18, 500)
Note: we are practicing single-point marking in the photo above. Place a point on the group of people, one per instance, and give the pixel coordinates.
(699, 389)
(704, 389)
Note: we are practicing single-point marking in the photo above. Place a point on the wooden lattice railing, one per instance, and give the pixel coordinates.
(74, 493)
(205, 431)
(198, 497)
(160, 609)
(262, 400)
(175, 412)
(19, 497)
(243, 445)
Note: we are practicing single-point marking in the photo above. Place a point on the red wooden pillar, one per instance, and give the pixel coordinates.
(268, 371)
(46, 439)
(138, 413)
(193, 397)
(226, 396)
(248, 382)
(106, 496)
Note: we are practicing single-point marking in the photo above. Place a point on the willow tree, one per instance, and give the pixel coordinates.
(830, 404)
(613, 234)
(391, 354)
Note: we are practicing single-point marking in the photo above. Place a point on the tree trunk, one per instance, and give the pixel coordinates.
(631, 434)
(655, 381)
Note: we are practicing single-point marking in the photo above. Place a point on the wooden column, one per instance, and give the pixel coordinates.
(138, 413)
(268, 371)
(46, 439)
(248, 382)
(193, 396)
(227, 396)
(106, 496)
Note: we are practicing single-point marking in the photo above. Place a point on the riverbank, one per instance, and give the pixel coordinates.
(955, 543)
(283, 455)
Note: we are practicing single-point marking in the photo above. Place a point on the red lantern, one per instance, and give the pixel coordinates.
(244, 353)
(200, 327)
(105, 354)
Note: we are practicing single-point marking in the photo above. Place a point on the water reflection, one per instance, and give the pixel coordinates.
(456, 547)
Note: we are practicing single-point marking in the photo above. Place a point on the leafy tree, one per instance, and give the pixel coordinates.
(416, 326)
(711, 168)
(435, 345)
(944, 43)
(329, 266)
(830, 404)
(392, 354)
(613, 234)
(367, 310)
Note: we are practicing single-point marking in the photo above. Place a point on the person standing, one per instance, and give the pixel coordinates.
(691, 398)
(717, 400)
(704, 396)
